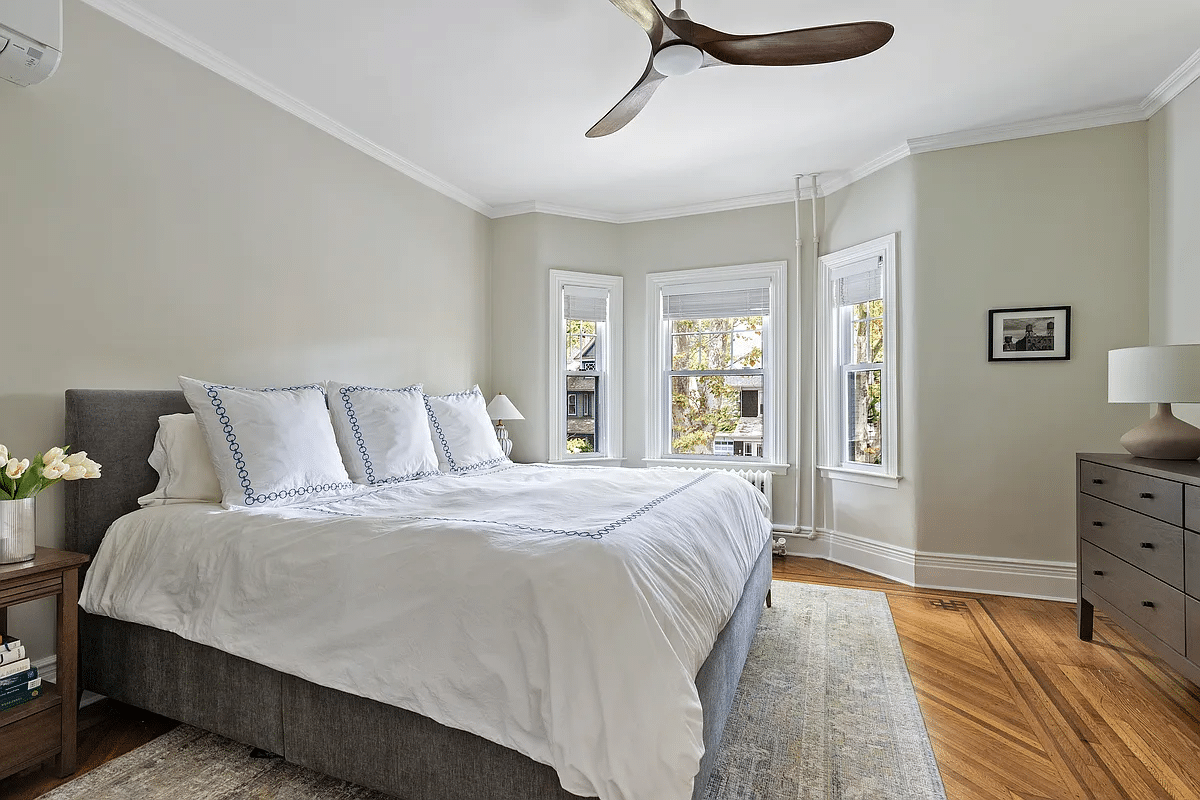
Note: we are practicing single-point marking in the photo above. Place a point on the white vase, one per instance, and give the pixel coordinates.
(16, 530)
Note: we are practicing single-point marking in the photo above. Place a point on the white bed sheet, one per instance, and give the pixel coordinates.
(560, 612)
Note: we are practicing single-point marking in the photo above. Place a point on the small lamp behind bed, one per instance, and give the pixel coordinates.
(500, 409)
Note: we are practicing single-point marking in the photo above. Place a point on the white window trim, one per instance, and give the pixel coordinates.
(832, 464)
(658, 428)
(611, 356)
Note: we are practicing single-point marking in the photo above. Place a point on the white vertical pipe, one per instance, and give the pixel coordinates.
(814, 433)
(798, 315)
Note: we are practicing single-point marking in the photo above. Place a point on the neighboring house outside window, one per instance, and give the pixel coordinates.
(585, 377)
(858, 362)
(717, 384)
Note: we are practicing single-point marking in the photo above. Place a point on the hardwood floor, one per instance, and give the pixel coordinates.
(1017, 708)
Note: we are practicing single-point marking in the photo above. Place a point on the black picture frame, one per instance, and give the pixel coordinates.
(1034, 333)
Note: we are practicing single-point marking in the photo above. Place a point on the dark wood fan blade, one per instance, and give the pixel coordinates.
(644, 13)
(630, 104)
(787, 48)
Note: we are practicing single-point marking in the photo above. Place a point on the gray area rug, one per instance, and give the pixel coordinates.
(825, 711)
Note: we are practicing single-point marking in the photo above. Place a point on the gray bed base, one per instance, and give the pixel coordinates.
(340, 734)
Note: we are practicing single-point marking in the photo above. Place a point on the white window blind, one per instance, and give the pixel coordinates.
(585, 303)
(859, 284)
(717, 299)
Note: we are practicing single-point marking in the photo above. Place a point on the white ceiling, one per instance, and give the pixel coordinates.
(489, 100)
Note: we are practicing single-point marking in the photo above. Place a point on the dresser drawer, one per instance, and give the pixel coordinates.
(1146, 600)
(1157, 497)
(1191, 507)
(1149, 544)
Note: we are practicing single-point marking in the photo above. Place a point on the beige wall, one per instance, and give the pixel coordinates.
(528, 246)
(158, 220)
(882, 203)
(1050, 220)
(525, 249)
(1175, 226)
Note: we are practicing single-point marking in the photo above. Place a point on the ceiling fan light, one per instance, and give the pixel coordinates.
(678, 59)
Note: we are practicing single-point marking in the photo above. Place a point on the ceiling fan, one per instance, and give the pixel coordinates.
(679, 46)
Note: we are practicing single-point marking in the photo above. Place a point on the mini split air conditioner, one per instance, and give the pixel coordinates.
(30, 40)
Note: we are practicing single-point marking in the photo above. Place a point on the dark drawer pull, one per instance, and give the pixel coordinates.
(1147, 604)
(1097, 572)
(1097, 481)
(1148, 545)
(1147, 495)
(1097, 523)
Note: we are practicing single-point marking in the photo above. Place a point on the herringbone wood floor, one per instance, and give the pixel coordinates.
(1016, 706)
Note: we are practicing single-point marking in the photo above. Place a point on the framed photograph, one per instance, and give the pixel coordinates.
(1029, 334)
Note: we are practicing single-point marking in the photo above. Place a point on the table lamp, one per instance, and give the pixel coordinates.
(1161, 374)
(500, 409)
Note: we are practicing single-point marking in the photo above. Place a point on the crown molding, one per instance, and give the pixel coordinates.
(167, 35)
(1060, 123)
(1175, 83)
(130, 14)
(844, 179)
(537, 207)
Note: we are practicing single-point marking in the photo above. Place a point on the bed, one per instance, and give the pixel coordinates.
(338, 732)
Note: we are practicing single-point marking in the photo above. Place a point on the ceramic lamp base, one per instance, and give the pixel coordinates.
(16, 530)
(502, 438)
(1164, 436)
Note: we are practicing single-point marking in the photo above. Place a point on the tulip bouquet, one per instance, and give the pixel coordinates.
(21, 478)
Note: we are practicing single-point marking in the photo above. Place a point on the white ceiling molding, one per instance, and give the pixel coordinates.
(857, 174)
(175, 39)
(149, 25)
(535, 207)
(1175, 83)
(1061, 123)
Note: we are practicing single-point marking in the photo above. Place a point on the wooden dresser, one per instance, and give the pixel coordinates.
(1138, 524)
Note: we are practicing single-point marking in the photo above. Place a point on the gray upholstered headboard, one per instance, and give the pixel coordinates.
(116, 427)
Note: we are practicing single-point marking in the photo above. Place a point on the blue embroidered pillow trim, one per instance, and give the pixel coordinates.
(239, 461)
(368, 467)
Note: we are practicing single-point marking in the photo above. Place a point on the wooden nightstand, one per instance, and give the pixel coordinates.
(44, 727)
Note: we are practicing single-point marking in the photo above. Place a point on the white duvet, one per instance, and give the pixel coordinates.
(560, 612)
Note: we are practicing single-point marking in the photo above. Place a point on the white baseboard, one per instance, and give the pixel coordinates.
(1044, 580)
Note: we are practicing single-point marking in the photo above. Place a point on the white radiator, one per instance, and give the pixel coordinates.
(758, 478)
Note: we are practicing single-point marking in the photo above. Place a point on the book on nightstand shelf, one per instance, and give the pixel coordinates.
(11, 656)
(8, 670)
(14, 699)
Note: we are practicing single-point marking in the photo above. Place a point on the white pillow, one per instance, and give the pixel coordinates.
(181, 457)
(465, 436)
(269, 446)
(383, 433)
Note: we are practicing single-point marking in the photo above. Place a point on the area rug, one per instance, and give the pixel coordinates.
(825, 711)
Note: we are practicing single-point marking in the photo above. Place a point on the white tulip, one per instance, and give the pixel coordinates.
(52, 455)
(15, 469)
(74, 472)
(76, 459)
(55, 470)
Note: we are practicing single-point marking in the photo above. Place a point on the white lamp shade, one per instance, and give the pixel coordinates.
(502, 408)
(1159, 374)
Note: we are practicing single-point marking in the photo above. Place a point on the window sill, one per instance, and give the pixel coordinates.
(589, 462)
(731, 464)
(860, 476)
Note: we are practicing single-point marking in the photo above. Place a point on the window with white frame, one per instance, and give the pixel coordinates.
(717, 386)
(858, 369)
(585, 370)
